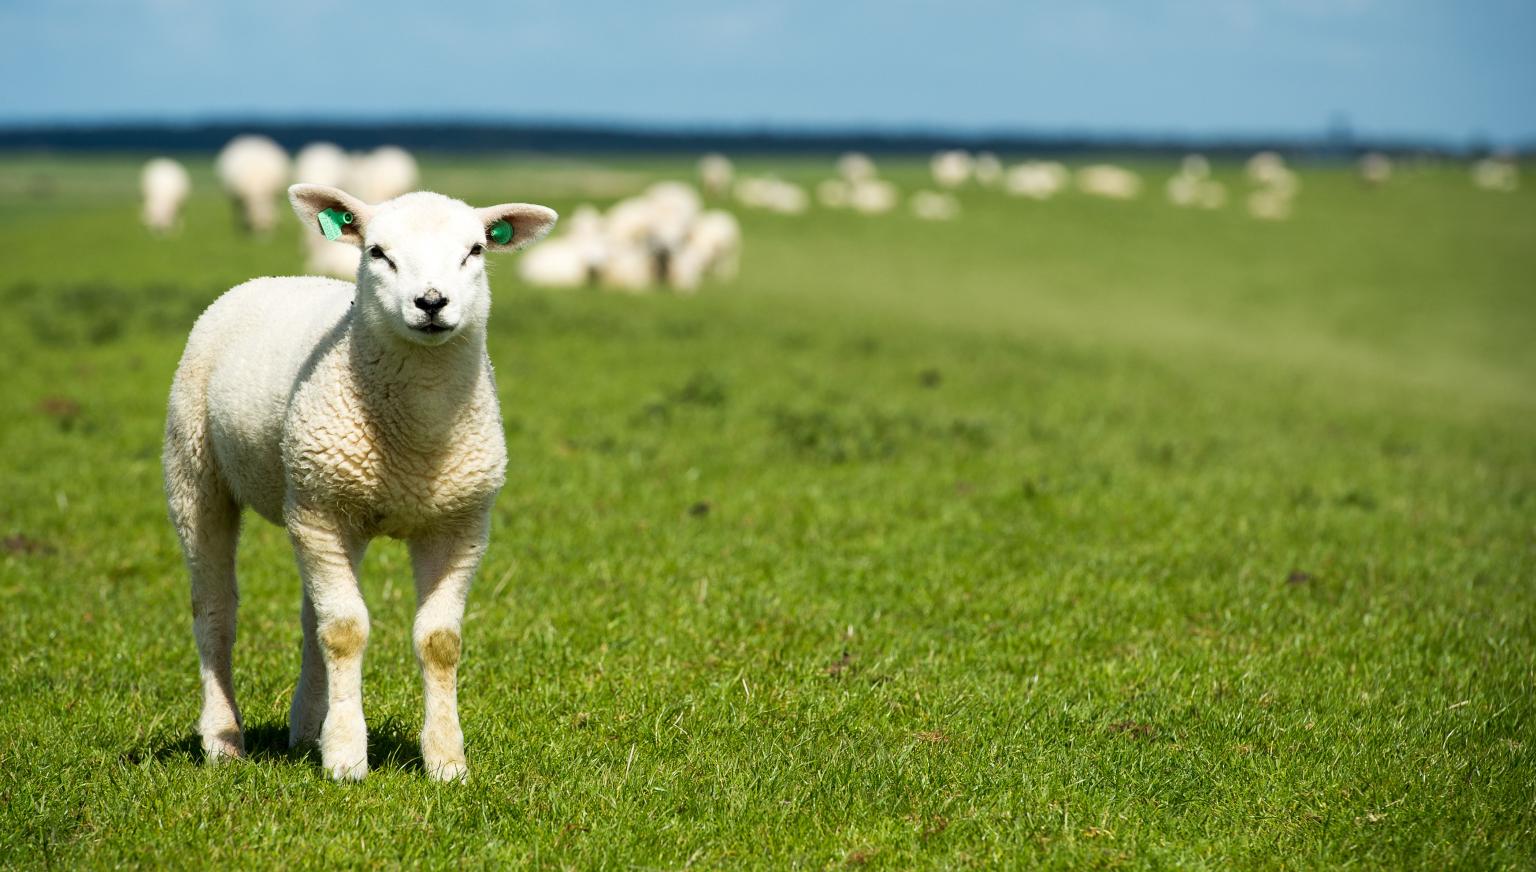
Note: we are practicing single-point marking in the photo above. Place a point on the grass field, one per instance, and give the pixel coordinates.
(1073, 534)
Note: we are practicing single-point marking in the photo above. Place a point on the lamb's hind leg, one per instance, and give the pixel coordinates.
(207, 520)
(444, 567)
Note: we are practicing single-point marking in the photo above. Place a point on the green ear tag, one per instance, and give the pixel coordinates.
(501, 232)
(331, 221)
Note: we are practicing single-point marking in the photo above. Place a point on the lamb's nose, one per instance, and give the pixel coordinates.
(431, 302)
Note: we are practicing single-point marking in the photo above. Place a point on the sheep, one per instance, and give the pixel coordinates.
(873, 196)
(346, 412)
(1037, 180)
(572, 260)
(712, 250)
(774, 195)
(323, 163)
(1267, 169)
(165, 185)
(934, 206)
(383, 174)
(1109, 181)
(951, 169)
(1270, 204)
(715, 174)
(833, 193)
(987, 169)
(1496, 174)
(1193, 186)
(253, 170)
(1375, 168)
(855, 166)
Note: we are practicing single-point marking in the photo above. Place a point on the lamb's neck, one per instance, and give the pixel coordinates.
(427, 389)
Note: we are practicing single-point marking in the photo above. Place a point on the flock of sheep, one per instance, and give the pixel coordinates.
(667, 236)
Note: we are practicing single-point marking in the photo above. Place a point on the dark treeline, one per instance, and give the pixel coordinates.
(557, 138)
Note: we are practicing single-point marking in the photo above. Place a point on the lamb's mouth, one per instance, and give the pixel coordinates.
(432, 327)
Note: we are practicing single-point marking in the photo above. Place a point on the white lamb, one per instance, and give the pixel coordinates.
(951, 169)
(987, 169)
(165, 185)
(715, 174)
(254, 170)
(712, 250)
(934, 206)
(383, 174)
(1037, 180)
(344, 413)
(855, 166)
(774, 195)
(1375, 168)
(873, 196)
(1109, 181)
(574, 259)
(1498, 173)
(323, 163)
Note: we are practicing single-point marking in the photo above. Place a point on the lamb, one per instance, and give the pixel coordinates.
(856, 166)
(775, 195)
(935, 206)
(715, 174)
(165, 185)
(1037, 180)
(1109, 181)
(1375, 168)
(712, 250)
(345, 412)
(987, 169)
(951, 169)
(322, 163)
(253, 169)
(573, 260)
(383, 174)
(1497, 173)
(873, 196)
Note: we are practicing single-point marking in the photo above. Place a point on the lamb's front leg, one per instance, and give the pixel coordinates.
(328, 557)
(444, 566)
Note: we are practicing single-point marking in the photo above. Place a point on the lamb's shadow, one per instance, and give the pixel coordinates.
(390, 746)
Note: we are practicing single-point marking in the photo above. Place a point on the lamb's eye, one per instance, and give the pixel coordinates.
(376, 253)
(476, 250)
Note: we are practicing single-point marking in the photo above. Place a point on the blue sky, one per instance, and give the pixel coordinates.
(1446, 70)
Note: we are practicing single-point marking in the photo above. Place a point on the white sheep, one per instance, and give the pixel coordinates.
(1270, 204)
(383, 174)
(873, 196)
(1375, 168)
(324, 163)
(1109, 181)
(1267, 169)
(934, 206)
(987, 169)
(951, 168)
(712, 250)
(1496, 174)
(772, 194)
(574, 259)
(345, 412)
(1037, 180)
(855, 166)
(254, 171)
(715, 174)
(165, 185)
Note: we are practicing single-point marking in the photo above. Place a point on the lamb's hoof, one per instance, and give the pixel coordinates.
(347, 770)
(222, 746)
(448, 771)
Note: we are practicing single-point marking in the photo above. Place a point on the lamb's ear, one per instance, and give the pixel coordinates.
(511, 226)
(331, 212)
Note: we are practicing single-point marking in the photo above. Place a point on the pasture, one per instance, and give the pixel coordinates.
(1067, 534)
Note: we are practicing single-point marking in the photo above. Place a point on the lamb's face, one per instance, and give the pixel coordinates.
(422, 273)
(423, 268)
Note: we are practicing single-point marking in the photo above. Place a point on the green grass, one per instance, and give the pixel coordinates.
(1074, 534)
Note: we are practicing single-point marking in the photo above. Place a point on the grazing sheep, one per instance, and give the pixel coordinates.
(575, 259)
(987, 169)
(1375, 168)
(934, 206)
(1037, 180)
(873, 196)
(165, 185)
(323, 163)
(1267, 169)
(1270, 204)
(833, 193)
(951, 169)
(1496, 174)
(1109, 181)
(712, 250)
(383, 174)
(253, 170)
(715, 174)
(345, 412)
(774, 195)
(1192, 186)
(856, 166)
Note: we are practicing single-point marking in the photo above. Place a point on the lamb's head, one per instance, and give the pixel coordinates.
(422, 274)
